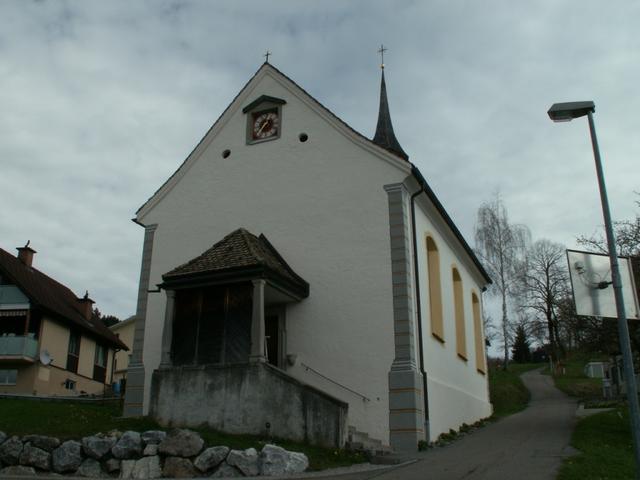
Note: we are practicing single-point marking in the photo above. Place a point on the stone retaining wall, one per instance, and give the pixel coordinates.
(255, 399)
(132, 455)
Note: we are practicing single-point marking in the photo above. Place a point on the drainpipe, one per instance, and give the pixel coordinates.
(418, 308)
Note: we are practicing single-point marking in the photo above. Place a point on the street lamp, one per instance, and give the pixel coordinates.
(565, 112)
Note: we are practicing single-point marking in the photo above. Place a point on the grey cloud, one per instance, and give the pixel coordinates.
(102, 101)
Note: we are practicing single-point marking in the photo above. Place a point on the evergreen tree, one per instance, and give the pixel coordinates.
(521, 352)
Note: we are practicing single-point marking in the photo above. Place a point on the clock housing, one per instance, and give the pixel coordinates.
(264, 119)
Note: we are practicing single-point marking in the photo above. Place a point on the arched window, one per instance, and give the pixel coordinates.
(458, 303)
(479, 340)
(435, 291)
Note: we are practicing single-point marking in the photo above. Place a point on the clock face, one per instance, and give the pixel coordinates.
(265, 125)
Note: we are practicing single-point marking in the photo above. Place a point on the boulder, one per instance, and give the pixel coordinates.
(129, 445)
(35, 457)
(3, 437)
(181, 443)
(67, 457)
(126, 468)
(147, 467)
(17, 470)
(244, 460)
(178, 467)
(48, 444)
(298, 462)
(276, 460)
(97, 447)
(90, 468)
(153, 436)
(227, 471)
(210, 458)
(10, 451)
(112, 465)
(150, 450)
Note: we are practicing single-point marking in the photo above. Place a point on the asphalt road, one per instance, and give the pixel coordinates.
(528, 445)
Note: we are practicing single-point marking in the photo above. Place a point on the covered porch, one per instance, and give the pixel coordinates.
(228, 305)
(224, 347)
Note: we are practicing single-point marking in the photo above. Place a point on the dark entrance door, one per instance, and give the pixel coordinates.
(212, 325)
(272, 335)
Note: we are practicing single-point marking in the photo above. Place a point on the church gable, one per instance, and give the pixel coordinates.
(263, 109)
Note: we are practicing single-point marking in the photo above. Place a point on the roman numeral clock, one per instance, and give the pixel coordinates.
(264, 119)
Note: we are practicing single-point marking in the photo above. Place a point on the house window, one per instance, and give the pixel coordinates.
(8, 377)
(100, 364)
(477, 327)
(458, 302)
(69, 384)
(74, 352)
(435, 290)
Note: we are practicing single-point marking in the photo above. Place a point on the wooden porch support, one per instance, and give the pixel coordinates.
(257, 322)
(167, 331)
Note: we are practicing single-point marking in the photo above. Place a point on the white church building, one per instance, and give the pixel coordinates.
(303, 281)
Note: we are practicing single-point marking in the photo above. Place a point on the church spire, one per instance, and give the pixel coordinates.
(384, 136)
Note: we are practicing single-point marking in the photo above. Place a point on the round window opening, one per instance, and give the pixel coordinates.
(303, 137)
(226, 154)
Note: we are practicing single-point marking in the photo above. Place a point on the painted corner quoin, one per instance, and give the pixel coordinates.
(406, 425)
(134, 395)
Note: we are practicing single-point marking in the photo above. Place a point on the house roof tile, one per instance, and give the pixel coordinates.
(53, 297)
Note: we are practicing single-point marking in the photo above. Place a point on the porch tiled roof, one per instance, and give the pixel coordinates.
(239, 250)
(52, 296)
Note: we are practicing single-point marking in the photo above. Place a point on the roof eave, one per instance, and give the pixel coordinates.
(235, 275)
(445, 216)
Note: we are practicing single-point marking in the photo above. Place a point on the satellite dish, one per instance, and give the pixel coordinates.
(45, 357)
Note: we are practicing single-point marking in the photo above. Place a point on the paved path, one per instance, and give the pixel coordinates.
(528, 445)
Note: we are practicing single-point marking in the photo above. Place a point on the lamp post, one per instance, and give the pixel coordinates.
(565, 112)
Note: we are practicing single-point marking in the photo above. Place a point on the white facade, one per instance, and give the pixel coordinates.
(323, 206)
(458, 393)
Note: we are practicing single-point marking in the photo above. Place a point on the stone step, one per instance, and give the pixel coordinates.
(354, 446)
(361, 441)
(388, 459)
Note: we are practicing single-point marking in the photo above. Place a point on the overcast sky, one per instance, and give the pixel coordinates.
(101, 101)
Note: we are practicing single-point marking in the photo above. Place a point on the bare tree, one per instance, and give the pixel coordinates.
(544, 285)
(627, 238)
(490, 332)
(500, 245)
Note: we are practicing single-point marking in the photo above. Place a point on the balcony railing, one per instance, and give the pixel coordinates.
(18, 346)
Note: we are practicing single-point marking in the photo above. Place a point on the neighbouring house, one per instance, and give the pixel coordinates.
(303, 281)
(50, 344)
(124, 331)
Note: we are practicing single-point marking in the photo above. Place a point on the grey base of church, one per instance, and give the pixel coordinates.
(255, 399)
(405, 410)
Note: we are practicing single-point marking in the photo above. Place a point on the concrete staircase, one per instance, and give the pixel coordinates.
(374, 449)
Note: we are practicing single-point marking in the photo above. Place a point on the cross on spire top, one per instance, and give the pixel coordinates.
(381, 52)
(267, 55)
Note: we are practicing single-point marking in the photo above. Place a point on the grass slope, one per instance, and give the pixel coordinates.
(74, 420)
(574, 382)
(508, 393)
(607, 451)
